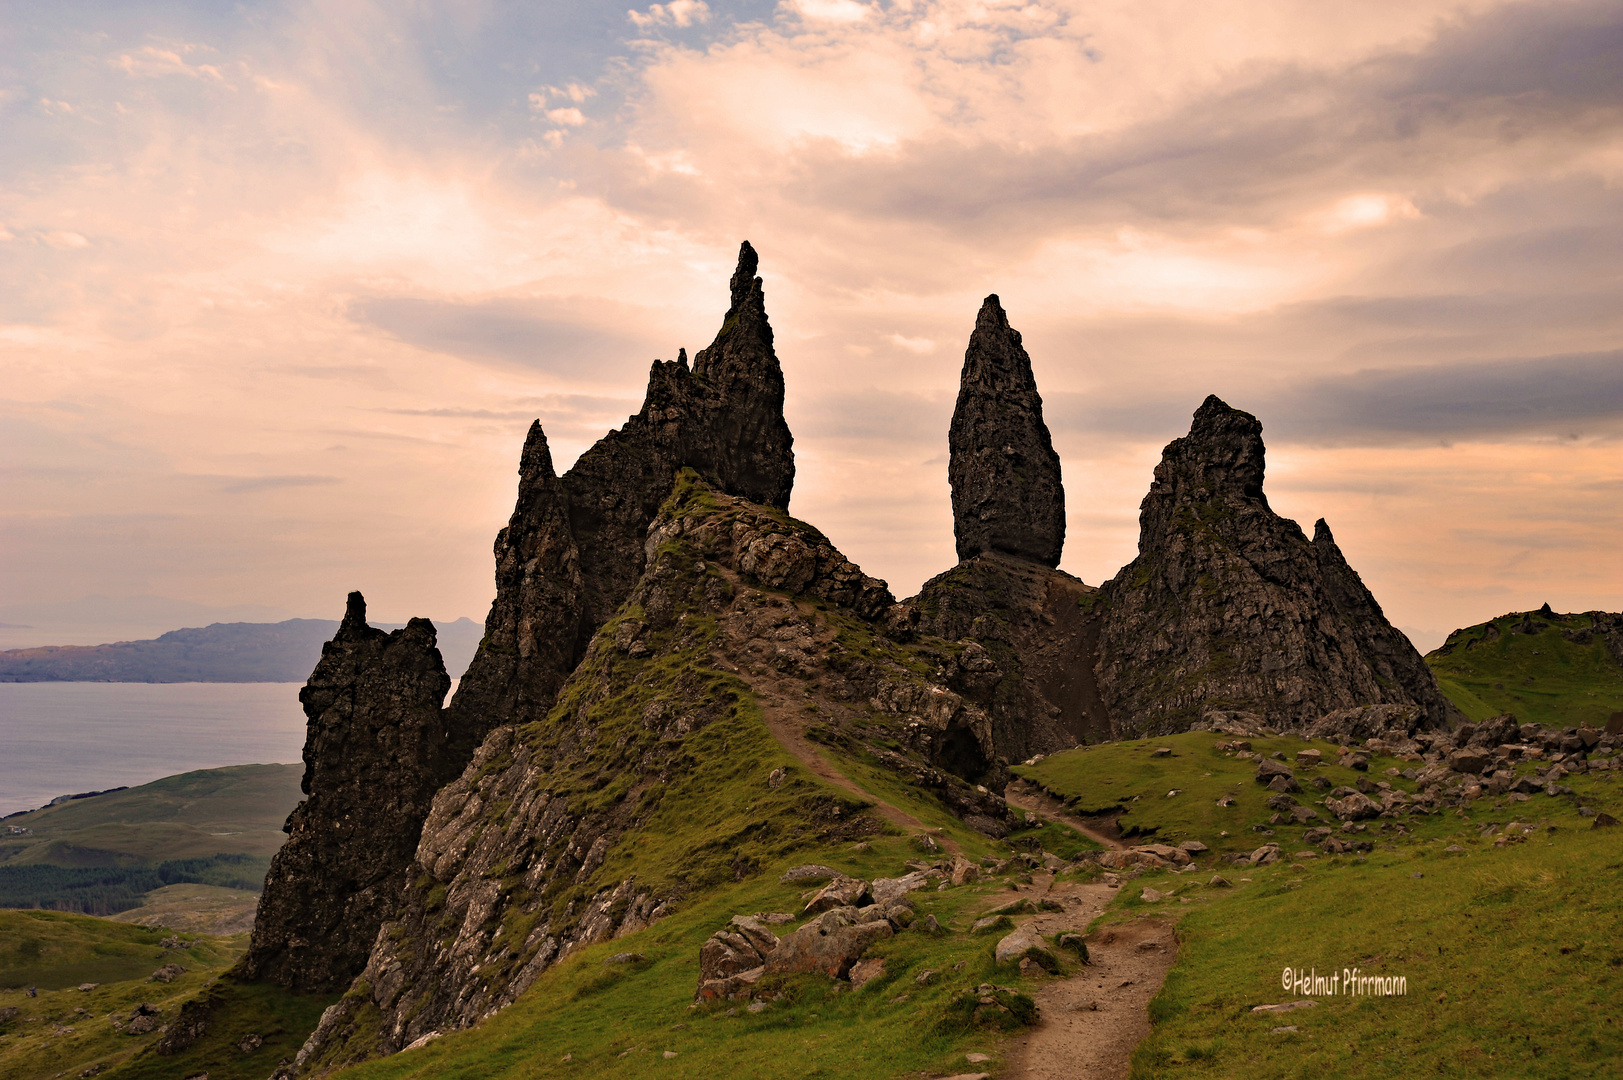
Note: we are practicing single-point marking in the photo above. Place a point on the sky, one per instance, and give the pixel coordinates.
(283, 284)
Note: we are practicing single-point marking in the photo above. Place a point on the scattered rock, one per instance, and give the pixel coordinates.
(1286, 1006)
(865, 971)
(1025, 945)
(167, 973)
(808, 873)
(830, 944)
(249, 1043)
(841, 892)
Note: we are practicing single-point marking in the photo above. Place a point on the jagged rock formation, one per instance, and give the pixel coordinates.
(586, 825)
(575, 545)
(1006, 492)
(1230, 607)
(374, 757)
(1028, 628)
(723, 418)
(538, 624)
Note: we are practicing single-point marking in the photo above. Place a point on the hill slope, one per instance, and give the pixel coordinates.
(1540, 666)
(220, 652)
(100, 855)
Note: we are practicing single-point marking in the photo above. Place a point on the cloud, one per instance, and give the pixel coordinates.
(538, 334)
(1551, 394)
(675, 13)
(249, 484)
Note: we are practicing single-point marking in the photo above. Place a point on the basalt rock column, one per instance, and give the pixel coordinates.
(1228, 606)
(1005, 475)
(374, 757)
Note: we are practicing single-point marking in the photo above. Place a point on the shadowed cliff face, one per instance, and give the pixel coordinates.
(537, 627)
(374, 757)
(1230, 607)
(1006, 492)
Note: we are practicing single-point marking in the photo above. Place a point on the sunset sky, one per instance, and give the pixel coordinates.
(283, 284)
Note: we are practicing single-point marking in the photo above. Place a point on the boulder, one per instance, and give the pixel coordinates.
(829, 944)
(841, 892)
(1268, 768)
(865, 971)
(1353, 807)
(963, 871)
(1024, 945)
(884, 889)
(1471, 762)
(807, 873)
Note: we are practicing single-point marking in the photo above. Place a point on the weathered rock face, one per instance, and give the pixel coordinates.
(527, 856)
(1032, 635)
(537, 627)
(374, 757)
(1230, 607)
(723, 418)
(1006, 492)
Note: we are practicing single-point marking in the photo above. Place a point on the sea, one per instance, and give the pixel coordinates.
(61, 738)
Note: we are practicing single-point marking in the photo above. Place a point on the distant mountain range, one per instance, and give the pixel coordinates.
(221, 652)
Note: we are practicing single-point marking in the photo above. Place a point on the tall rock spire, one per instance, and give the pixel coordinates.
(723, 418)
(537, 625)
(374, 757)
(1006, 490)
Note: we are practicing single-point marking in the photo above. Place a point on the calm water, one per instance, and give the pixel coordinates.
(67, 737)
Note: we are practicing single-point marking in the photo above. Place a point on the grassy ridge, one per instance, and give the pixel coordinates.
(1544, 677)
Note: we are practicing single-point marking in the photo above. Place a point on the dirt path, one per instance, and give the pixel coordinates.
(1089, 1024)
(1025, 796)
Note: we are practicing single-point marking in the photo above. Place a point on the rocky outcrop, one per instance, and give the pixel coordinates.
(374, 757)
(1030, 635)
(739, 615)
(1228, 606)
(1006, 492)
(722, 418)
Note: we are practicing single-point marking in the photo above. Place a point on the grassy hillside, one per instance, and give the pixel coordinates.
(1540, 666)
(65, 1031)
(100, 855)
(1510, 951)
(621, 1018)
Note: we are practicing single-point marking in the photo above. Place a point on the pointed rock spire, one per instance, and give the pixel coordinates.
(723, 418)
(537, 625)
(1006, 491)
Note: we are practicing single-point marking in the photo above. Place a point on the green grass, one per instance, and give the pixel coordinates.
(188, 816)
(53, 949)
(282, 1021)
(595, 1011)
(1542, 678)
(1512, 959)
(57, 952)
(1112, 776)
